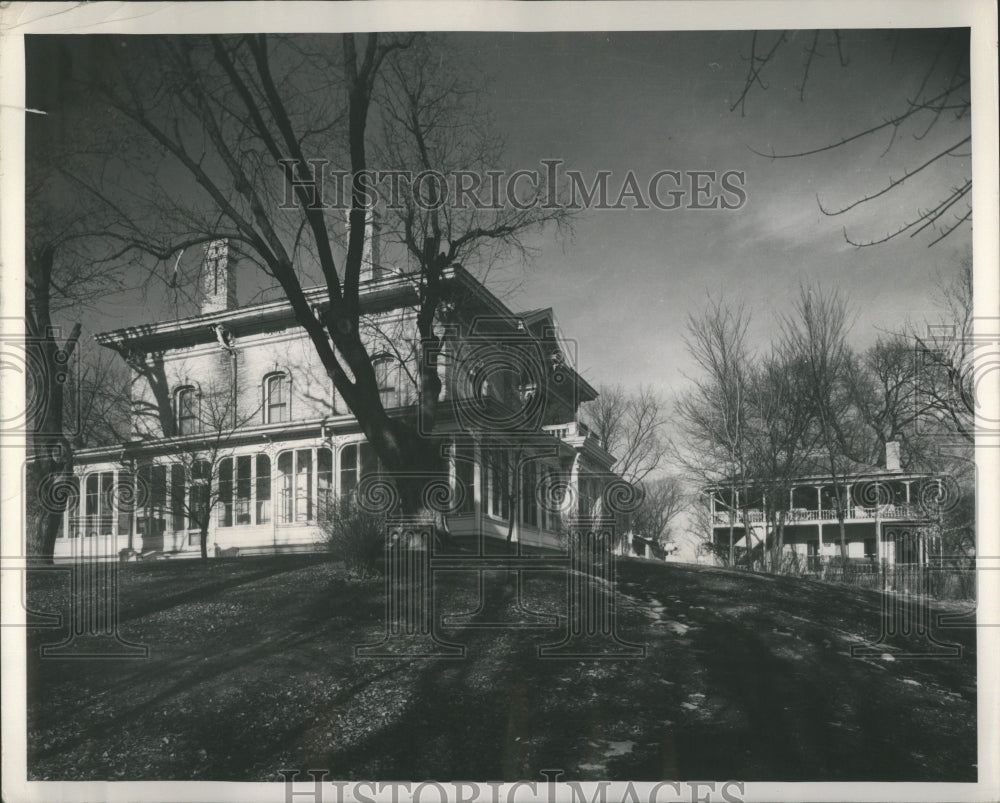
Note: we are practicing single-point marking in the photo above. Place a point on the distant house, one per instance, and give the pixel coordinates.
(890, 516)
(642, 547)
(289, 445)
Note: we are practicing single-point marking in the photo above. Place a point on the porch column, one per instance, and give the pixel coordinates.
(878, 531)
(478, 491)
(313, 482)
(66, 520)
(906, 484)
(133, 525)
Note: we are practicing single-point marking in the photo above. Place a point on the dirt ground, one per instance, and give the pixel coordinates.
(251, 670)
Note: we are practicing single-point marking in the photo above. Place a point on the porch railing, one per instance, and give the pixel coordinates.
(884, 512)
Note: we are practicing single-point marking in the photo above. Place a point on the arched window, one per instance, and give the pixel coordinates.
(387, 378)
(276, 398)
(186, 401)
(352, 469)
(295, 469)
(239, 477)
(324, 484)
(263, 489)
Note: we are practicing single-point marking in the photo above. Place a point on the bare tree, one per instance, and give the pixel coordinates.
(883, 386)
(946, 361)
(197, 465)
(814, 340)
(780, 439)
(938, 102)
(100, 402)
(229, 113)
(64, 278)
(713, 414)
(662, 501)
(630, 426)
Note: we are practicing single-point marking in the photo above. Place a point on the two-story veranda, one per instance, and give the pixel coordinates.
(294, 446)
(890, 517)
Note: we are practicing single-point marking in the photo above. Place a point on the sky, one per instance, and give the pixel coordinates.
(624, 281)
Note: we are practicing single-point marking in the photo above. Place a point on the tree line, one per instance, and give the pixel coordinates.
(754, 421)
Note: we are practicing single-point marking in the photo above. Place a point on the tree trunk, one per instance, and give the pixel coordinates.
(204, 542)
(47, 444)
(52, 479)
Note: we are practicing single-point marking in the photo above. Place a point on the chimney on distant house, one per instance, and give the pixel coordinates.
(892, 456)
(218, 282)
(371, 256)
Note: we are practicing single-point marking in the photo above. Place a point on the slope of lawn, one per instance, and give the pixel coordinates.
(252, 670)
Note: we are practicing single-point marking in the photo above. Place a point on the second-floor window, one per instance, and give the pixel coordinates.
(276, 398)
(386, 376)
(187, 410)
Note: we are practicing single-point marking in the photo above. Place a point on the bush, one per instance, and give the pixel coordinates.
(356, 537)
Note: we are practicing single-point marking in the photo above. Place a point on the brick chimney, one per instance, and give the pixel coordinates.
(218, 283)
(892, 456)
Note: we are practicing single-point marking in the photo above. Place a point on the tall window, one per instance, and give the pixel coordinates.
(276, 391)
(589, 490)
(153, 520)
(465, 477)
(352, 469)
(125, 500)
(99, 503)
(236, 485)
(546, 516)
(200, 502)
(244, 484)
(92, 503)
(187, 410)
(324, 484)
(177, 497)
(303, 485)
(263, 489)
(226, 492)
(387, 377)
(295, 486)
(72, 530)
(529, 504)
(498, 461)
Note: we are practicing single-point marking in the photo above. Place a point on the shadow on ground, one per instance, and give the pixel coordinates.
(252, 670)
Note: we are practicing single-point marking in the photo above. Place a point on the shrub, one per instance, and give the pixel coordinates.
(355, 536)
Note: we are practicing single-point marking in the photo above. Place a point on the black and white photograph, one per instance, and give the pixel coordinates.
(497, 401)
